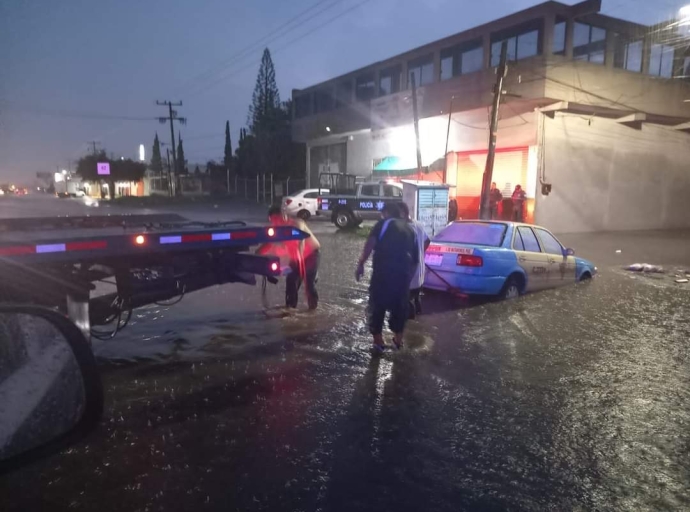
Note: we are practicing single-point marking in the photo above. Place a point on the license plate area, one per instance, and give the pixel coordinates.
(433, 259)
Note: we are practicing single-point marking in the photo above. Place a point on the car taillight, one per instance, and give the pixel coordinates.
(466, 260)
(319, 201)
(288, 201)
(275, 268)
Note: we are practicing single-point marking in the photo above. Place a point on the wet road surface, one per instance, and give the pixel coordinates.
(570, 399)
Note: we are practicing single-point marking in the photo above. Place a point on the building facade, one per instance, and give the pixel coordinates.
(594, 120)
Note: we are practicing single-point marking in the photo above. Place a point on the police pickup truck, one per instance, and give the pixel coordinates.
(361, 201)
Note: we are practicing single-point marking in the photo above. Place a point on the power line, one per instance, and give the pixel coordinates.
(262, 41)
(283, 47)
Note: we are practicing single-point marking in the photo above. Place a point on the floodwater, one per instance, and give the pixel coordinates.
(570, 399)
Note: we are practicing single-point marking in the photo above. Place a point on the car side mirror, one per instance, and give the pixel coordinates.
(50, 390)
(568, 252)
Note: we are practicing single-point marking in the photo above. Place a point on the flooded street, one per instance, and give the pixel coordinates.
(569, 399)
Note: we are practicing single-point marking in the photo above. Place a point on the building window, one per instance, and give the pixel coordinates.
(661, 60)
(389, 80)
(422, 69)
(523, 42)
(627, 54)
(559, 37)
(366, 88)
(323, 101)
(589, 43)
(462, 59)
(343, 93)
(303, 106)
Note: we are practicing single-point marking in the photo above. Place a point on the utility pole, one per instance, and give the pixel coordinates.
(172, 116)
(93, 143)
(501, 71)
(170, 180)
(445, 153)
(415, 114)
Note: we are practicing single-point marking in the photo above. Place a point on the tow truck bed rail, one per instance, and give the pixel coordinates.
(58, 262)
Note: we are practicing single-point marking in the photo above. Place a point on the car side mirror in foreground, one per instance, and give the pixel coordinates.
(568, 252)
(50, 390)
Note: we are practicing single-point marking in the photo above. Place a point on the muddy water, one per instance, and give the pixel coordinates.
(573, 399)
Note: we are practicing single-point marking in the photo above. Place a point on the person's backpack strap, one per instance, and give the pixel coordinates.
(384, 228)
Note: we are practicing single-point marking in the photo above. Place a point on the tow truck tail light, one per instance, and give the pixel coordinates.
(288, 201)
(271, 232)
(140, 239)
(467, 260)
(275, 268)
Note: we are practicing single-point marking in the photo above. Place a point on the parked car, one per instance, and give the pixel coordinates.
(302, 204)
(505, 259)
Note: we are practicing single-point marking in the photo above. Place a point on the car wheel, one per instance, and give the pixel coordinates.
(511, 290)
(343, 219)
(304, 214)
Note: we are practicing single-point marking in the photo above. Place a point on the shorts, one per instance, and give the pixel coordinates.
(376, 314)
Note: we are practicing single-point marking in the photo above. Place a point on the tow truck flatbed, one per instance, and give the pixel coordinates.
(149, 258)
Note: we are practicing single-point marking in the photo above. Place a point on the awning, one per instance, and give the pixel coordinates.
(395, 166)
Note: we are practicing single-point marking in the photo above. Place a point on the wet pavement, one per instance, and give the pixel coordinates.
(570, 399)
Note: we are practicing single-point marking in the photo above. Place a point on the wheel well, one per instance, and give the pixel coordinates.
(342, 210)
(585, 275)
(519, 279)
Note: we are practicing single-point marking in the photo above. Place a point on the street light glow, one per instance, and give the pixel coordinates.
(684, 16)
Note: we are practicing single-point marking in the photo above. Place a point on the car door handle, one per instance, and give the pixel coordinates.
(522, 258)
(551, 260)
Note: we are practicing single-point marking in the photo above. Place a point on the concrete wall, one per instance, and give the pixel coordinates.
(608, 177)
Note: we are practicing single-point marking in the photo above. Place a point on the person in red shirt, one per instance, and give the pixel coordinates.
(303, 257)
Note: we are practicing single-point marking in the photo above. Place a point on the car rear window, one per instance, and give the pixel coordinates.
(476, 233)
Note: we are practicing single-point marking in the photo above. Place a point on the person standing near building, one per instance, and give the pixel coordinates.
(395, 257)
(495, 198)
(422, 240)
(303, 257)
(518, 204)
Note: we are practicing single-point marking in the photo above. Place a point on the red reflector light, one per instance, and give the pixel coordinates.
(467, 260)
(274, 267)
(271, 232)
(288, 201)
(140, 240)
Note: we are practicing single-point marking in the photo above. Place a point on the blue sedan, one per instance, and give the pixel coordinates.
(505, 259)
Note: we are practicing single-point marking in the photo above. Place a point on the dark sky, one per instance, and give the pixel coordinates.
(69, 69)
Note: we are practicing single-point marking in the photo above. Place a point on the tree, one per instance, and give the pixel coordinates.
(156, 160)
(181, 162)
(120, 170)
(227, 158)
(197, 171)
(246, 157)
(265, 107)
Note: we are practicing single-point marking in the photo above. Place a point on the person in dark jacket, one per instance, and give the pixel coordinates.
(395, 257)
(495, 198)
(518, 199)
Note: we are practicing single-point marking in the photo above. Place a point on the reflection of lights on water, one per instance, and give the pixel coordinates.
(385, 371)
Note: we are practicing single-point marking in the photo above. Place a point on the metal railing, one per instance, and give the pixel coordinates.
(264, 188)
